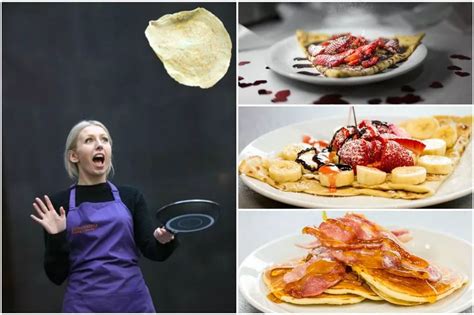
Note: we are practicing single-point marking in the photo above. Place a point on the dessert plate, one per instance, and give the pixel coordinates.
(280, 58)
(457, 185)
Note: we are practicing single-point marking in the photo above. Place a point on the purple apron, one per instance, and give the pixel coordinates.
(104, 275)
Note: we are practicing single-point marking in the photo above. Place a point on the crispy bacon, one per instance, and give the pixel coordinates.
(318, 276)
(354, 240)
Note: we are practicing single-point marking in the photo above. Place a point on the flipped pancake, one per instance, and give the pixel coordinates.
(411, 290)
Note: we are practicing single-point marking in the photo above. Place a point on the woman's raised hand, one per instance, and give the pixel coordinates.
(48, 217)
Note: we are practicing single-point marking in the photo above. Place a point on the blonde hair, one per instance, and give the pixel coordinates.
(71, 143)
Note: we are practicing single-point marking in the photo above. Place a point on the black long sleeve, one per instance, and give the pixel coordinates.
(146, 242)
(56, 260)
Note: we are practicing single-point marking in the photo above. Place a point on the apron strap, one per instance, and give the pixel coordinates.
(115, 191)
(72, 197)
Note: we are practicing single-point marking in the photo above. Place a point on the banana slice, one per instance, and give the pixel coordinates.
(284, 171)
(434, 147)
(370, 176)
(412, 175)
(291, 151)
(436, 164)
(332, 176)
(421, 128)
(448, 133)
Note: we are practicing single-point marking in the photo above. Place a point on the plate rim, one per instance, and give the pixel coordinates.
(360, 80)
(418, 203)
(251, 301)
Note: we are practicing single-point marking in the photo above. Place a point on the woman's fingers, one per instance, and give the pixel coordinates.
(62, 212)
(36, 219)
(48, 203)
(38, 210)
(42, 205)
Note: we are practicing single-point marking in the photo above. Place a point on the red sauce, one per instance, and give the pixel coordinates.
(243, 63)
(407, 99)
(374, 101)
(246, 84)
(281, 96)
(331, 172)
(264, 92)
(322, 143)
(331, 99)
(462, 74)
(436, 85)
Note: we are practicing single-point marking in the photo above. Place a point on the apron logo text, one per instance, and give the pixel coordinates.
(84, 228)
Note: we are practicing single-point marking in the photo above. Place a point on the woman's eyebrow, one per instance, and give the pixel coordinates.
(93, 135)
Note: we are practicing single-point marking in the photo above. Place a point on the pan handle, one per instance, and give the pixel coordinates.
(171, 230)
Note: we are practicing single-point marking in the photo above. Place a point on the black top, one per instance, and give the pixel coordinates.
(56, 260)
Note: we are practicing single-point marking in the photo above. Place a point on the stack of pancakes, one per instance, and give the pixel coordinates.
(355, 259)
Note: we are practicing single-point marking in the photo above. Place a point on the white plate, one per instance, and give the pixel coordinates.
(457, 185)
(280, 59)
(436, 247)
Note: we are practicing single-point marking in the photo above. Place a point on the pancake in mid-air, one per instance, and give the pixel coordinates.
(194, 46)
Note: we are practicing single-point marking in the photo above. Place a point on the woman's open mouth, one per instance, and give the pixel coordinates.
(98, 159)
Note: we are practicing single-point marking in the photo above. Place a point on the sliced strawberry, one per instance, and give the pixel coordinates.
(398, 131)
(354, 62)
(413, 145)
(394, 155)
(369, 132)
(341, 136)
(369, 63)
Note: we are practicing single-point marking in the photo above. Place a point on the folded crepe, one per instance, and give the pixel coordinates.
(407, 45)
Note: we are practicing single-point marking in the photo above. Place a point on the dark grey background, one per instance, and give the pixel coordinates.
(66, 62)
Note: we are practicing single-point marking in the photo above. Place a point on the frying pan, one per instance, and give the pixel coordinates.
(188, 216)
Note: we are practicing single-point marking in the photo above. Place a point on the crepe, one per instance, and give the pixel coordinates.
(408, 43)
(258, 167)
(194, 46)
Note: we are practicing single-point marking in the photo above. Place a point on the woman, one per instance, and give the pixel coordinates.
(93, 239)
